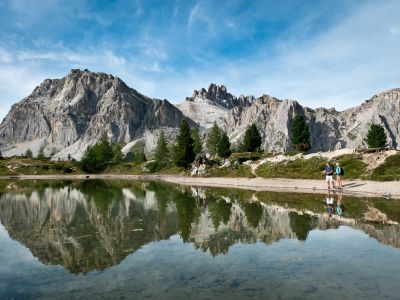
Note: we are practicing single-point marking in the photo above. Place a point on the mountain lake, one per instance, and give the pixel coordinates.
(109, 239)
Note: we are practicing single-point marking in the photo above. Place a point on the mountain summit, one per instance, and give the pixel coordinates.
(218, 95)
(66, 115)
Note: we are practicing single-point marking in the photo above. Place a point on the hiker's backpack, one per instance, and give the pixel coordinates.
(341, 171)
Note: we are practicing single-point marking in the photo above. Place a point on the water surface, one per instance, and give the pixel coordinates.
(131, 239)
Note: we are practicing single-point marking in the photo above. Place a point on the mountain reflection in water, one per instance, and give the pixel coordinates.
(94, 224)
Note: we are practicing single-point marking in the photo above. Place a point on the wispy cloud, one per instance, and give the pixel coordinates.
(336, 55)
(193, 14)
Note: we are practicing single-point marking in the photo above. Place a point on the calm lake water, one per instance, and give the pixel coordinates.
(135, 240)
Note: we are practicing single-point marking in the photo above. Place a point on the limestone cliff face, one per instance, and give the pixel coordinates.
(71, 113)
(329, 128)
(66, 115)
(219, 96)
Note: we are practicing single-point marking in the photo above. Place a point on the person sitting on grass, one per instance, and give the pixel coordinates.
(329, 175)
(339, 175)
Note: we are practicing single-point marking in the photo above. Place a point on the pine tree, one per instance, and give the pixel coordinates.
(117, 153)
(300, 134)
(97, 157)
(197, 147)
(162, 152)
(184, 153)
(252, 139)
(376, 137)
(213, 139)
(29, 153)
(224, 146)
(41, 155)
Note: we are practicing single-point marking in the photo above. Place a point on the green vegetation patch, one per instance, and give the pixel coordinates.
(353, 166)
(240, 171)
(312, 168)
(301, 168)
(389, 170)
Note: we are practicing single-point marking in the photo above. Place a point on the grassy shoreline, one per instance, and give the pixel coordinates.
(301, 168)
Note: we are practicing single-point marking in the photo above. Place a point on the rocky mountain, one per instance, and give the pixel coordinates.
(207, 106)
(218, 95)
(329, 129)
(66, 115)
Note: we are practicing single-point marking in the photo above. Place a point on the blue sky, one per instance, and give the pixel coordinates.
(321, 53)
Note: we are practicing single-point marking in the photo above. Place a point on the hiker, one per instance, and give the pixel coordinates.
(339, 171)
(329, 175)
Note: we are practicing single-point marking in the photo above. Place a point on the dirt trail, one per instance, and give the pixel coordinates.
(364, 188)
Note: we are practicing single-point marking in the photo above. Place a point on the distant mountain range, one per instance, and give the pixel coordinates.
(66, 115)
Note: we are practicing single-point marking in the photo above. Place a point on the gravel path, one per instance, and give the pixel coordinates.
(390, 189)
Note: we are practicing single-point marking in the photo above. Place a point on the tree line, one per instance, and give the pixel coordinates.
(189, 144)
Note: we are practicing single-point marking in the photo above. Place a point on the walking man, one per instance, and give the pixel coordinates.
(329, 175)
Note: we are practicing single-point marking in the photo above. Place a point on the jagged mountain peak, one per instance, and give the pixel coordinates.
(66, 115)
(219, 96)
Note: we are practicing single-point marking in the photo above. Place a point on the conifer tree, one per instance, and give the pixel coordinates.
(197, 147)
(184, 153)
(376, 137)
(41, 155)
(29, 153)
(252, 140)
(162, 152)
(224, 146)
(98, 156)
(213, 139)
(300, 134)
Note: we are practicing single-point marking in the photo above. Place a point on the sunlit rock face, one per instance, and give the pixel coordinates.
(93, 225)
(66, 115)
(329, 129)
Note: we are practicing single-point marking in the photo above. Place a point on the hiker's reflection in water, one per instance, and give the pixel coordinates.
(331, 208)
(329, 204)
(339, 206)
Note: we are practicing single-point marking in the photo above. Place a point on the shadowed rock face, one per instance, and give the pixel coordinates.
(93, 225)
(74, 111)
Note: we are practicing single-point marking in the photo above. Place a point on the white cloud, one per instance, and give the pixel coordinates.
(193, 15)
(341, 67)
(5, 57)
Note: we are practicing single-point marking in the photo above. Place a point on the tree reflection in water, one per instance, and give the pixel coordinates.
(94, 224)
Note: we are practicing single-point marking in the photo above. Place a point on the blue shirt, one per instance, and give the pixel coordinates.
(328, 170)
(338, 170)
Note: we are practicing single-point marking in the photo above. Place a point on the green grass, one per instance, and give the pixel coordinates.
(389, 170)
(301, 168)
(353, 166)
(312, 168)
(29, 166)
(241, 171)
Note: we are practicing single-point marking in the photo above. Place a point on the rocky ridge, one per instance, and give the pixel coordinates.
(329, 129)
(67, 115)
